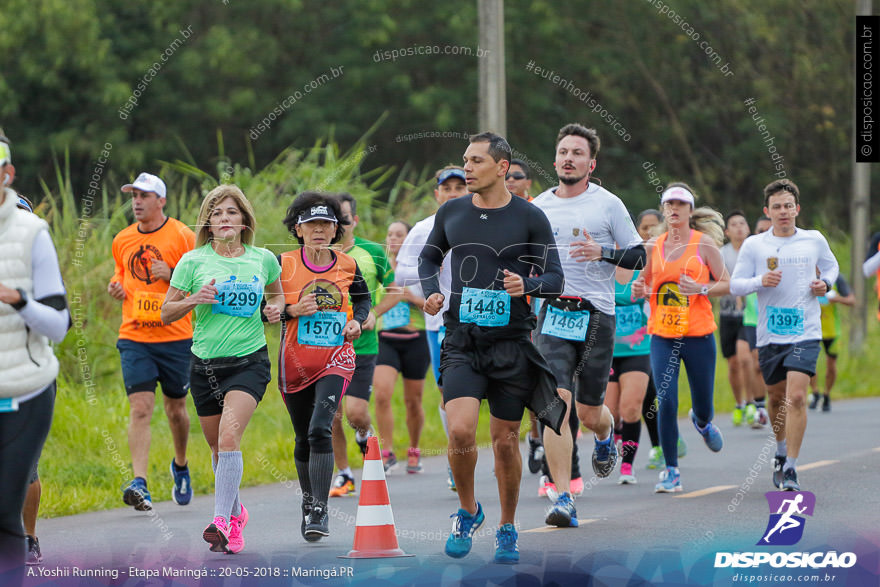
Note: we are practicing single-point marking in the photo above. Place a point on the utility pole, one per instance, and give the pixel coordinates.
(490, 57)
(859, 212)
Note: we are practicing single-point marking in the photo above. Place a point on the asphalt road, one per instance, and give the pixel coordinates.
(628, 535)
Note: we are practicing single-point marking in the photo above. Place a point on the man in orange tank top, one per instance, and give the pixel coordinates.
(151, 351)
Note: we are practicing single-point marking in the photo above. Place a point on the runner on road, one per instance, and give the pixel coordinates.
(735, 343)
(830, 319)
(781, 265)
(450, 185)
(677, 282)
(33, 312)
(576, 332)
(146, 254)
(317, 360)
(222, 281)
(403, 350)
(496, 241)
(377, 273)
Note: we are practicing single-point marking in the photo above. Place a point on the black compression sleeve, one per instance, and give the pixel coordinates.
(631, 258)
(360, 297)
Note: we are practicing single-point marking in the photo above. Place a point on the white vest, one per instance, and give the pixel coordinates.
(27, 363)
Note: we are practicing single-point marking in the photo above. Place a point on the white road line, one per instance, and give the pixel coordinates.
(816, 465)
(707, 491)
(553, 528)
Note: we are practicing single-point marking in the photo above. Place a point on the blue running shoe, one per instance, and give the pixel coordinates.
(451, 481)
(136, 494)
(710, 433)
(562, 514)
(670, 481)
(604, 456)
(506, 550)
(182, 492)
(463, 527)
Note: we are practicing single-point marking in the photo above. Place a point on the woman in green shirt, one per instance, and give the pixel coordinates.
(222, 281)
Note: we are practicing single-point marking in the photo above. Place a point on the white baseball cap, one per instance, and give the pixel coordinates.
(677, 193)
(147, 183)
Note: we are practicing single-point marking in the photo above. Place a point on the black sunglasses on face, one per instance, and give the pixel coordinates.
(516, 175)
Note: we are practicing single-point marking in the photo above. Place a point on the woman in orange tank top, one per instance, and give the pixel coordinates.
(316, 358)
(677, 282)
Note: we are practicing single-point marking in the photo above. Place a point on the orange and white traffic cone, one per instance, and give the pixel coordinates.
(374, 533)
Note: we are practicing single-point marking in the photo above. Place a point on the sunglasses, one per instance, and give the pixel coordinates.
(517, 175)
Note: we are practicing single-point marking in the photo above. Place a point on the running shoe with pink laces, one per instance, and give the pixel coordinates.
(217, 535)
(236, 526)
(414, 461)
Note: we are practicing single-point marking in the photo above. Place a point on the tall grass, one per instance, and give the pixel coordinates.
(86, 457)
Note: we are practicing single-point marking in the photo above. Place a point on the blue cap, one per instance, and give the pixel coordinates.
(450, 173)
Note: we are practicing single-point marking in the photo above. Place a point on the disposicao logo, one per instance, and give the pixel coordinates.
(786, 528)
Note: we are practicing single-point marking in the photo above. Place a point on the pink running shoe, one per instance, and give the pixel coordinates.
(236, 526)
(217, 535)
(626, 475)
(547, 489)
(577, 486)
(414, 461)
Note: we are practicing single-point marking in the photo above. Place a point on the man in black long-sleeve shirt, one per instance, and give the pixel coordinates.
(497, 242)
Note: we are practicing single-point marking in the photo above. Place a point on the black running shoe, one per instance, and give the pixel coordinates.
(306, 517)
(778, 462)
(34, 555)
(536, 455)
(789, 480)
(317, 527)
(815, 401)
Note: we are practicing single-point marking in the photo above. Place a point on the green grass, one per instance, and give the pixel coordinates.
(86, 460)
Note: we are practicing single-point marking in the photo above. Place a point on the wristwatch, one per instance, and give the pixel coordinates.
(22, 302)
(704, 290)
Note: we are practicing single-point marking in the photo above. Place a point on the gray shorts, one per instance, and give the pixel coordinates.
(776, 360)
(581, 366)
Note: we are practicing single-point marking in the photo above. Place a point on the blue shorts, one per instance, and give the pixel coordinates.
(145, 363)
(435, 344)
(776, 360)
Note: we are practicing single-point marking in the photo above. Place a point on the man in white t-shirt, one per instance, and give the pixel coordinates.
(782, 266)
(450, 185)
(594, 233)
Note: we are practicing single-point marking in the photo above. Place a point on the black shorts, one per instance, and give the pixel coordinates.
(778, 359)
(145, 363)
(507, 396)
(830, 348)
(212, 379)
(637, 364)
(581, 366)
(731, 330)
(407, 352)
(361, 385)
(751, 336)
